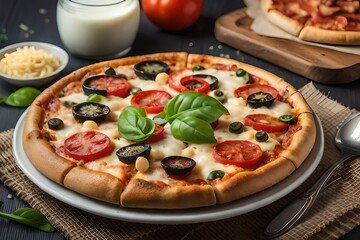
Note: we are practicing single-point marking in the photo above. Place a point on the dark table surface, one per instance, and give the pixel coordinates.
(40, 16)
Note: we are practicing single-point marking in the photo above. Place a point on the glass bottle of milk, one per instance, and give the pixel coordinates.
(98, 29)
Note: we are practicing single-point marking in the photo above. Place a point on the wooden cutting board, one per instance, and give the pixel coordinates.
(316, 63)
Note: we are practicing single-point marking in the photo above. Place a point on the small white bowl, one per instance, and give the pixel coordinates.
(39, 81)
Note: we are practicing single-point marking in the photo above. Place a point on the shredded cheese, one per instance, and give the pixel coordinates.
(28, 62)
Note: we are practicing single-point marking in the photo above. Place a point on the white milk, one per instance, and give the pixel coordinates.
(98, 28)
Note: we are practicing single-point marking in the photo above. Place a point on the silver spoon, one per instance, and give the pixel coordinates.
(347, 139)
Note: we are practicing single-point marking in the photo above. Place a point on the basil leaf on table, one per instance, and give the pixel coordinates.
(31, 217)
(22, 97)
(192, 129)
(133, 124)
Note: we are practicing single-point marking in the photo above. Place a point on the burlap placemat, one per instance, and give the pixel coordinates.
(335, 213)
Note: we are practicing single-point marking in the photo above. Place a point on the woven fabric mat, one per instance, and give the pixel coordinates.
(335, 213)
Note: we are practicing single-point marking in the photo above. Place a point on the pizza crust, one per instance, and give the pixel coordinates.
(302, 141)
(314, 34)
(38, 150)
(98, 185)
(247, 183)
(299, 104)
(141, 193)
(280, 20)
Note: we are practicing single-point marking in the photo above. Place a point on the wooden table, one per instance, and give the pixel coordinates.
(40, 16)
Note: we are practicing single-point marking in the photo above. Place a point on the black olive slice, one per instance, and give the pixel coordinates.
(90, 111)
(55, 123)
(260, 99)
(177, 165)
(261, 136)
(212, 80)
(149, 69)
(220, 96)
(91, 90)
(130, 153)
(236, 127)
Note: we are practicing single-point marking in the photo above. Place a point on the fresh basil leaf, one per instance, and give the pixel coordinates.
(190, 114)
(160, 118)
(192, 129)
(206, 113)
(191, 100)
(133, 124)
(22, 97)
(31, 217)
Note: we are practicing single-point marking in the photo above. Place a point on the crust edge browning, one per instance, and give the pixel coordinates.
(140, 193)
(247, 183)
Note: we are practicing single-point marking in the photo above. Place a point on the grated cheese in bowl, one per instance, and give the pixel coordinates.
(31, 63)
(28, 62)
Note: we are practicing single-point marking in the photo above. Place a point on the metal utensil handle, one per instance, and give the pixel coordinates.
(293, 212)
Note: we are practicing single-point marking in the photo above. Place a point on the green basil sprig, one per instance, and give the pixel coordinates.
(22, 97)
(133, 124)
(190, 115)
(31, 217)
(194, 104)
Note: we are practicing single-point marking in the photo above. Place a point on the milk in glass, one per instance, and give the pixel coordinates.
(98, 28)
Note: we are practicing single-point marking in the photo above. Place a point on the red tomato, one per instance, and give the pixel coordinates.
(172, 15)
(88, 146)
(265, 122)
(193, 83)
(174, 80)
(249, 89)
(153, 101)
(158, 134)
(241, 153)
(113, 85)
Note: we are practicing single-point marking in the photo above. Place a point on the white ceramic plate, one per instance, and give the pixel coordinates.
(156, 216)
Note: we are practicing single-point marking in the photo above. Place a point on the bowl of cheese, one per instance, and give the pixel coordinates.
(31, 63)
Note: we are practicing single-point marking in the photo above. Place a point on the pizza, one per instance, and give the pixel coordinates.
(325, 21)
(169, 131)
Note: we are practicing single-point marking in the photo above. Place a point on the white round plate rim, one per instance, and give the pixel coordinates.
(158, 216)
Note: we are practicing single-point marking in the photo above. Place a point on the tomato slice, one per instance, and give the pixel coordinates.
(153, 101)
(265, 122)
(88, 146)
(241, 153)
(194, 83)
(175, 77)
(158, 134)
(249, 89)
(114, 86)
